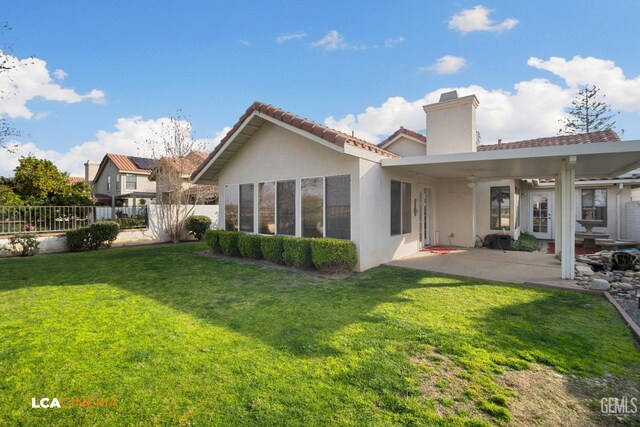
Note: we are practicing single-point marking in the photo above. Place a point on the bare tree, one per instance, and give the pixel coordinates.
(177, 155)
(7, 64)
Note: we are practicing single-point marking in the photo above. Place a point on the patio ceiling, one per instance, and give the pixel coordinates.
(601, 160)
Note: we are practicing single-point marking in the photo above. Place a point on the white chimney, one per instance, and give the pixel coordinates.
(451, 124)
(90, 170)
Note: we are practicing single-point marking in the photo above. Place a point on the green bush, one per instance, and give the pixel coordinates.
(98, 235)
(76, 239)
(229, 242)
(198, 225)
(526, 243)
(212, 238)
(250, 245)
(296, 252)
(23, 245)
(272, 248)
(333, 254)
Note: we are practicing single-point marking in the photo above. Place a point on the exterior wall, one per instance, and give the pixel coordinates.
(142, 183)
(405, 147)
(633, 221)
(451, 126)
(483, 207)
(455, 213)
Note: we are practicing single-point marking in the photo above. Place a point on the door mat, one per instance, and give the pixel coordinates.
(438, 249)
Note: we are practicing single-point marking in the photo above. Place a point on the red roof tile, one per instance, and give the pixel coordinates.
(553, 141)
(403, 131)
(331, 135)
(126, 163)
(75, 179)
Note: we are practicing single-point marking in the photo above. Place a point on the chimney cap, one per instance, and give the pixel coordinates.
(448, 96)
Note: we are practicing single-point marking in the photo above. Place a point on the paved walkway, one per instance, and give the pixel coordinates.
(490, 264)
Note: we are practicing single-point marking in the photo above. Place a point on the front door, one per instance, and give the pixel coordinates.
(425, 217)
(541, 214)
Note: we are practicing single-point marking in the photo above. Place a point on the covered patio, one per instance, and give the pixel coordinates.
(564, 164)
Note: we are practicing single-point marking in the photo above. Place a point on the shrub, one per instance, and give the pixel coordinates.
(213, 240)
(102, 234)
(296, 252)
(229, 242)
(333, 254)
(250, 245)
(23, 245)
(526, 243)
(198, 225)
(98, 235)
(272, 248)
(76, 239)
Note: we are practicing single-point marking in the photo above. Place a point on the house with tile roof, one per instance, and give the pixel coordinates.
(279, 173)
(121, 180)
(172, 173)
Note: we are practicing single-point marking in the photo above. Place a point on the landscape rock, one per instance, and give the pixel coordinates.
(600, 284)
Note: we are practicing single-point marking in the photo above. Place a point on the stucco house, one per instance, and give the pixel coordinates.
(171, 173)
(120, 180)
(281, 174)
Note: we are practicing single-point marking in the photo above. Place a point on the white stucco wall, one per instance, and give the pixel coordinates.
(455, 213)
(633, 221)
(451, 126)
(406, 147)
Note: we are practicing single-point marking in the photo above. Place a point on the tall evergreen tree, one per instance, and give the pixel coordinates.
(588, 113)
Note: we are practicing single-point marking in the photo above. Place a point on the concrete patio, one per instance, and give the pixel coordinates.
(513, 267)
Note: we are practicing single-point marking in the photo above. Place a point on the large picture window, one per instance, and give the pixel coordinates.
(594, 205)
(231, 207)
(246, 208)
(286, 208)
(267, 208)
(338, 207)
(500, 210)
(400, 208)
(312, 198)
(118, 182)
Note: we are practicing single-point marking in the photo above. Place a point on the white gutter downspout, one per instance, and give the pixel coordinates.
(618, 210)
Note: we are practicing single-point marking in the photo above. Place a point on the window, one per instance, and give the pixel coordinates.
(132, 182)
(267, 208)
(286, 208)
(118, 182)
(312, 207)
(500, 215)
(400, 208)
(231, 207)
(338, 207)
(246, 208)
(594, 205)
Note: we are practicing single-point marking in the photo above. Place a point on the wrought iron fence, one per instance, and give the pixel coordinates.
(51, 219)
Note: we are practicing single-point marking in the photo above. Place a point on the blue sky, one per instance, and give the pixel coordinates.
(361, 66)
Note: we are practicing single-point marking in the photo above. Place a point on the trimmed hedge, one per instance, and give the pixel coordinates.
(297, 252)
(229, 242)
(324, 254)
(98, 235)
(333, 254)
(212, 238)
(272, 248)
(250, 245)
(198, 225)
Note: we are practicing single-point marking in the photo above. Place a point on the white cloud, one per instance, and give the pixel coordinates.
(391, 42)
(30, 79)
(129, 137)
(60, 74)
(334, 41)
(244, 42)
(622, 93)
(285, 37)
(477, 19)
(448, 64)
(530, 109)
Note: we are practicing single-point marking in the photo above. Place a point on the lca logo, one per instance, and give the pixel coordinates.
(45, 403)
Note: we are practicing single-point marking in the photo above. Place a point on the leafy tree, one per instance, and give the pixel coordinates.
(589, 113)
(39, 183)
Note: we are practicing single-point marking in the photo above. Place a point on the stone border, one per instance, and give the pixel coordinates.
(634, 327)
(558, 284)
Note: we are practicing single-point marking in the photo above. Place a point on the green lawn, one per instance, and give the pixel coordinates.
(180, 338)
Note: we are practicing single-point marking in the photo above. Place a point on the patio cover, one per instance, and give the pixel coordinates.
(563, 163)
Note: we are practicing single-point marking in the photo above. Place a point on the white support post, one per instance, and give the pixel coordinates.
(567, 177)
(557, 215)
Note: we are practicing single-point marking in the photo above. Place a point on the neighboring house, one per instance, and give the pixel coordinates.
(122, 180)
(75, 180)
(172, 173)
(282, 174)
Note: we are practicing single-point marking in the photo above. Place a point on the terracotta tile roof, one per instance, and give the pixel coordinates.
(404, 131)
(127, 164)
(330, 135)
(582, 138)
(191, 163)
(75, 179)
